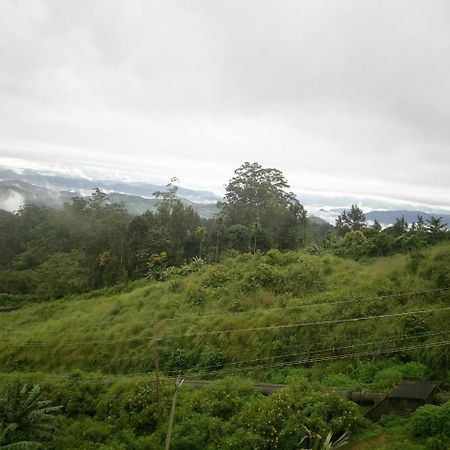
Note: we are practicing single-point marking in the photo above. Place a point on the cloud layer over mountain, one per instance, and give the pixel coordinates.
(344, 96)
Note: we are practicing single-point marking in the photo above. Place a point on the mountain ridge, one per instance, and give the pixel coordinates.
(32, 186)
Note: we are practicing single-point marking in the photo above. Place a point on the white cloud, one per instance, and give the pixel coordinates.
(342, 96)
(11, 201)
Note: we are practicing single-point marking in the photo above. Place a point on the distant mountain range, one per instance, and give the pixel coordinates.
(55, 182)
(385, 218)
(389, 217)
(20, 187)
(16, 193)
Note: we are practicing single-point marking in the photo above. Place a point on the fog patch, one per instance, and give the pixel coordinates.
(12, 201)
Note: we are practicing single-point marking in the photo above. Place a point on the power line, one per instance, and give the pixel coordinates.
(331, 358)
(230, 330)
(303, 324)
(77, 377)
(243, 313)
(331, 349)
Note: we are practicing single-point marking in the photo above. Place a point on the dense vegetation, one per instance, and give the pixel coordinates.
(354, 238)
(93, 243)
(259, 302)
(69, 346)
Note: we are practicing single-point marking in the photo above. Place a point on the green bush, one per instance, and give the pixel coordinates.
(415, 371)
(437, 270)
(84, 434)
(299, 278)
(197, 295)
(79, 397)
(177, 362)
(280, 420)
(431, 421)
(304, 276)
(198, 432)
(267, 277)
(278, 258)
(387, 378)
(226, 398)
(217, 277)
(62, 274)
(134, 404)
(18, 282)
(213, 360)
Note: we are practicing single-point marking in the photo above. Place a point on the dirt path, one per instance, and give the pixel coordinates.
(372, 444)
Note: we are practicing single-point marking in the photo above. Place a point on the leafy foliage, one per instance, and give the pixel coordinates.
(26, 421)
(432, 423)
(257, 198)
(353, 238)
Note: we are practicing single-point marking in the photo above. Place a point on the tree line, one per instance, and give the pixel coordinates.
(353, 237)
(92, 243)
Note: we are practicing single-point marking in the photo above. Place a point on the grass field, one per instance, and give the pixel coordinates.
(277, 317)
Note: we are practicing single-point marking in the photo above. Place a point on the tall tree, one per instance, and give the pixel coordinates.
(353, 220)
(436, 227)
(258, 195)
(201, 233)
(419, 224)
(172, 230)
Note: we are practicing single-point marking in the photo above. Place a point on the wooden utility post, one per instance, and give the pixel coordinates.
(178, 383)
(158, 382)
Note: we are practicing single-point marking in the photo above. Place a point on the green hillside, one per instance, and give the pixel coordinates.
(289, 317)
(101, 312)
(115, 331)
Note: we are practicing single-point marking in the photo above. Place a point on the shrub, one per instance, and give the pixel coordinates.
(214, 360)
(177, 362)
(197, 432)
(18, 282)
(197, 295)
(62, 274)
(79, 397)
(298, 278)
(217, 277)
(303, 277)
(438, 269)
(283, 419)
(386, 378)
(267, 277)
(226, 398)
(275, 257)
(134, 404)
(414, 371)
(432, 421)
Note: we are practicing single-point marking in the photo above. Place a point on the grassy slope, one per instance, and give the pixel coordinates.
(123, 323)
(227, 291)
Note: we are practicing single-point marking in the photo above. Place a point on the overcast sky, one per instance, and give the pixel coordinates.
(344, 96)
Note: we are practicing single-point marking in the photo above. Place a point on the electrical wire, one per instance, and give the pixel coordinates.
(77, 377)
(330, 358)
(243, 313)
(332, 349)
(228, 331)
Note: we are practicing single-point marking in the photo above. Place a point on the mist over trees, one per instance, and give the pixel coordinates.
(93, 243)
(253, 264)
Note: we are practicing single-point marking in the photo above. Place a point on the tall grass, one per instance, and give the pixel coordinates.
(115, 330)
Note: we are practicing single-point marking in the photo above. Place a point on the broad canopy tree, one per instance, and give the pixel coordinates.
(258, 199)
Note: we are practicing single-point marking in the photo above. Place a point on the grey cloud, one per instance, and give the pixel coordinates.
(350, 90)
